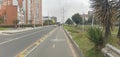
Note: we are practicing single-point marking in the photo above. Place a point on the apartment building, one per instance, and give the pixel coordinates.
(22, 10)
(8, 12)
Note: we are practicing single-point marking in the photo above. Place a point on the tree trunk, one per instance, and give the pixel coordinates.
(107, 32)
(107, 29)
(118, 35)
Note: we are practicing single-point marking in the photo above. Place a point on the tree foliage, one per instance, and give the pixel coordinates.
(105, 13)
(1, 20)
(77, 18)
(48, 22)
(118, 16)
(30, 21)
(15, 22)
(69, 21)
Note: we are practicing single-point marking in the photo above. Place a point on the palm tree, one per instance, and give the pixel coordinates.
(118, 16)
(105, 13)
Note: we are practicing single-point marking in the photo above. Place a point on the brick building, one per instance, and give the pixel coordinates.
(22, 10)
(8, 12)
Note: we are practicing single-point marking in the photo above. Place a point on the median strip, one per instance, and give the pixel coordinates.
(30, 48)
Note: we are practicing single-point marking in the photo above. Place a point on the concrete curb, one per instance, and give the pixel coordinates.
(75, 45)
(15, 31)
(21, 30)
(111, 51)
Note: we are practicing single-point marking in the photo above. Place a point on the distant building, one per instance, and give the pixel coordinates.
(84, 16)
(90, 13)
(54, 19)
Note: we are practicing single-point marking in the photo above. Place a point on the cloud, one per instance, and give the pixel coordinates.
(55, 7)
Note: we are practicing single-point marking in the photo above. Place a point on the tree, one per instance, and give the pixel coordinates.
(77, 18)
(15, 22)
(105, 13)
(48, 22)
(69, 21)
(1, 20)
(45, 22)
(118, 16)
(30, 21)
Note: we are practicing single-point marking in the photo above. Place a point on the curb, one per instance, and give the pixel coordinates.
(22, 30)
(74, 44)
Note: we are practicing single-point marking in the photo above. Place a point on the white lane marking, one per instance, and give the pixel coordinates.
(70, 45)
(18, 38)
(58, 40)
(53, 46)
(31, 50)
(56, 35)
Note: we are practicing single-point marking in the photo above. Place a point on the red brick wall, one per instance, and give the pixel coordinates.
(11, 15)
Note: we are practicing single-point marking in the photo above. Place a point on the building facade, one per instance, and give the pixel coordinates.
(8, 12)
(23, 10)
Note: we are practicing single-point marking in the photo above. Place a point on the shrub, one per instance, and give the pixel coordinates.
(95, 35)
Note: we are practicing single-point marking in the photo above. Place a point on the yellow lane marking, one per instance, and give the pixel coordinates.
(37, 43)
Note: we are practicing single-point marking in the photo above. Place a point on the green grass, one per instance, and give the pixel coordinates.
(81, 39)
(113, 40)
(3, 28)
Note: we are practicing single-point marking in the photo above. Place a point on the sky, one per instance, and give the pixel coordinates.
(55, 8)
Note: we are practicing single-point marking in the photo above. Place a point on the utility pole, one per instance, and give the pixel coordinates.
(63, 15)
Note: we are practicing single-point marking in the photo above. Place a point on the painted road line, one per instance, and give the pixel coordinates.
(70, 45)
(53, 46)
(33, 46)
(17, 38)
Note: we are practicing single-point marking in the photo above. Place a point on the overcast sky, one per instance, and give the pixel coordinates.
(55, 7)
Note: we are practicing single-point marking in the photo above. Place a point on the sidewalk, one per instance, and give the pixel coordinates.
(21, 30)
(55, 44)
(17, 30)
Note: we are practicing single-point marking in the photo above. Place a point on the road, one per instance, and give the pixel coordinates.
(11, 45)
(56, 45)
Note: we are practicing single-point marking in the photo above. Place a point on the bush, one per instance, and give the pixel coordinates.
(96, 36)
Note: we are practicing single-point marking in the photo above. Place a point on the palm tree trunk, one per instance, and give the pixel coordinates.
(108, 20)
(107, 28)
(107, 31)
(118, 35)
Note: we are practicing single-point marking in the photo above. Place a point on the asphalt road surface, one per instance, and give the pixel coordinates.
(11, 45)
(56, 45)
